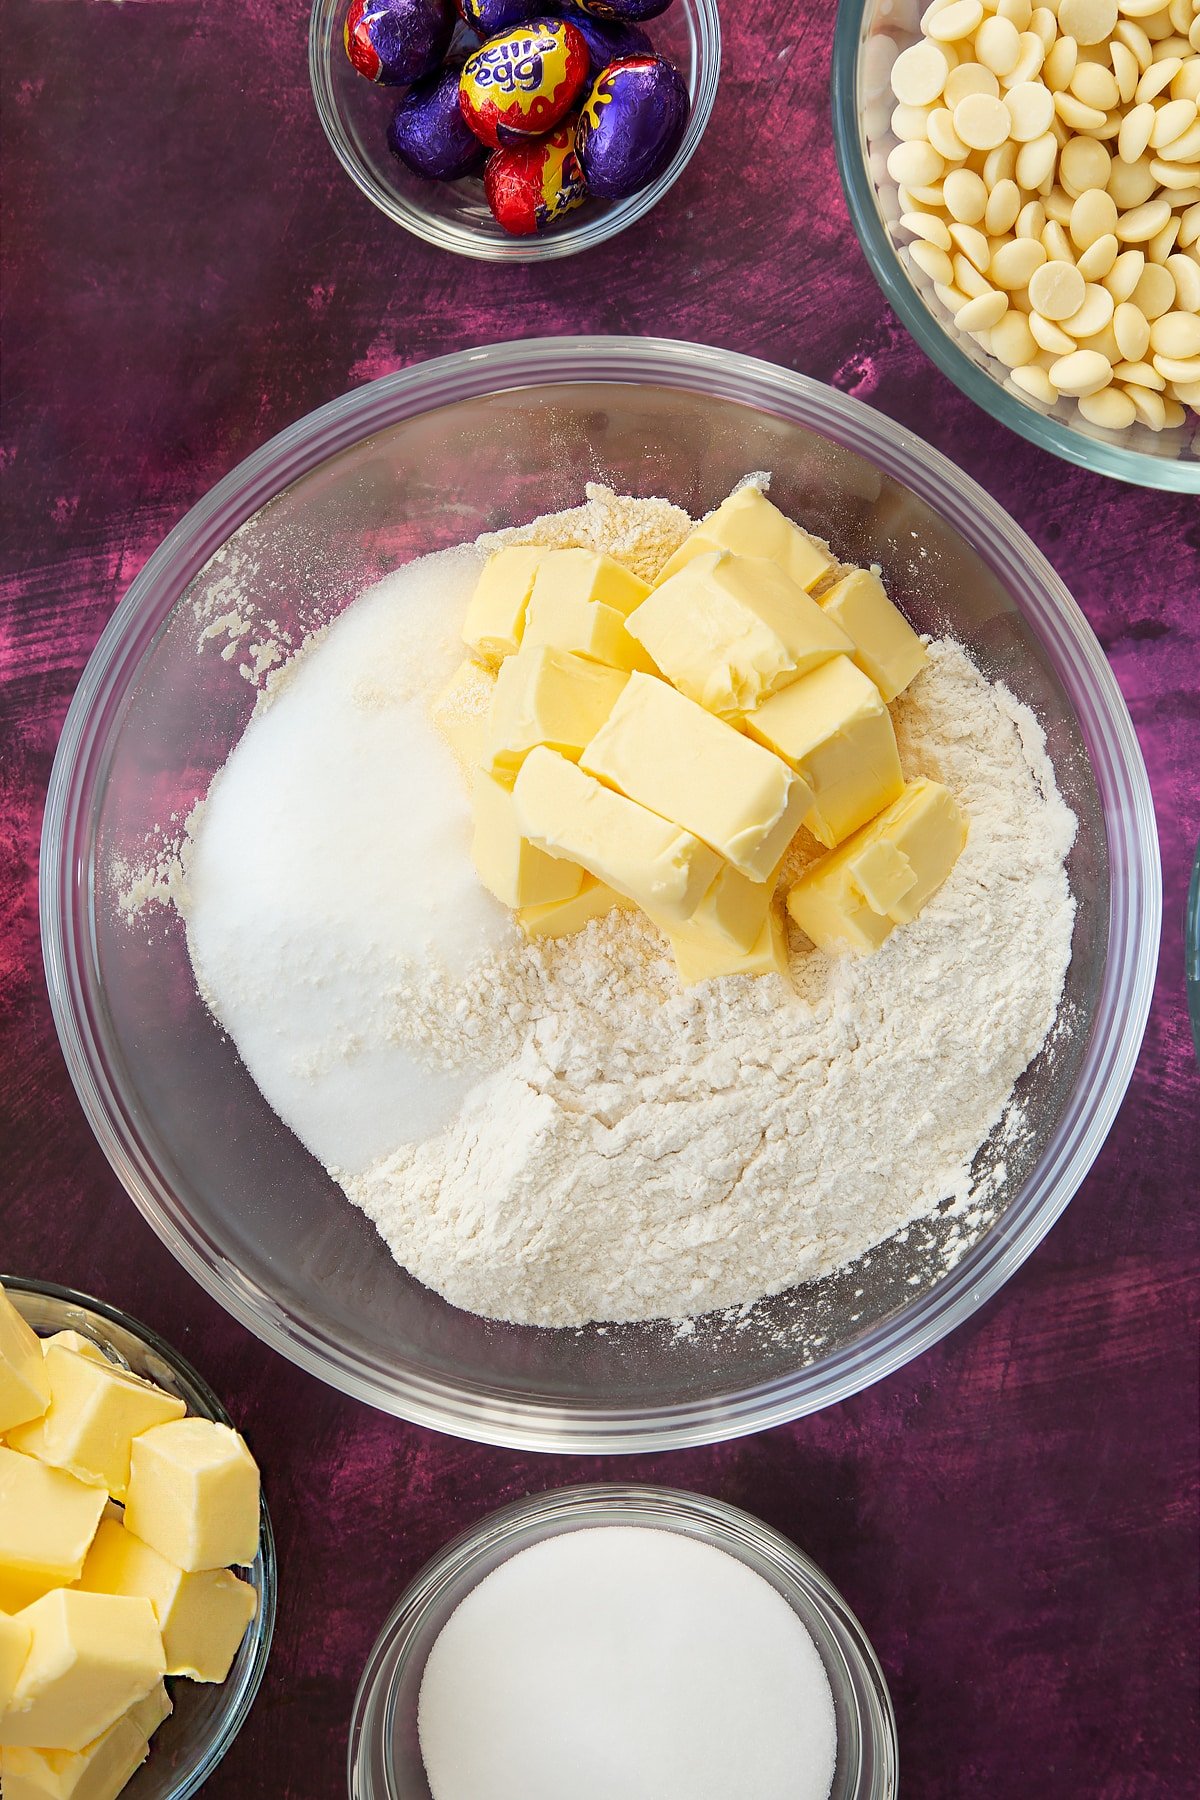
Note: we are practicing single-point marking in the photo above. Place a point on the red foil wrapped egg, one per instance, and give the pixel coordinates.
(530, 188)
(521, 83)
(397, 41)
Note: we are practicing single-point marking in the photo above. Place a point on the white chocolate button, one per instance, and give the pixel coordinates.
(1057, 290)
(1093, 215)
(981, 121)
(1099, 257)
(958, 20)
(1111, 408)
(919, 74)
(1083, 164)
(1088, 21)
(985, 310)
(1083, 372)
(1093, 315)
(1031, 110)
(998, 45)
(1142, 222)
(1015, 263)
(965, 196)
(969, 78)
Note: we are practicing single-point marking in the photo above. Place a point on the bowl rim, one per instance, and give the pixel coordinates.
(704, 31)
(244, 1690)
(489, 1415)
(1166, 474)
(536, 1518)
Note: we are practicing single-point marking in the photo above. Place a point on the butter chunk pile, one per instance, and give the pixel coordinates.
(119, 1516)
(660, 747)
(1049, 172)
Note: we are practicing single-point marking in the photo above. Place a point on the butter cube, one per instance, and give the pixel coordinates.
(24, 1389)
(15, 1639)
(47, 1522)
(883, 875)
(699, 956)
(562, 918)
(652, 862)
(750, 525)
(833, 728)
(731, 630)
(96, 1410)
(99, 1771)
(460, 712)
(202, 1617)
(886, 648)
(495, 617)
(584, 627)
(93, 1656)
(734, 910)
(549, 697)
(194, 1494)
(659, 748)
(74, 1340)
(589, 575)
(510, 866)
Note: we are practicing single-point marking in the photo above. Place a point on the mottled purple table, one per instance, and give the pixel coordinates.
(1013, 1516)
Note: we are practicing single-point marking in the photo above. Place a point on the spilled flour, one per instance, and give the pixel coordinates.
(553, 1133)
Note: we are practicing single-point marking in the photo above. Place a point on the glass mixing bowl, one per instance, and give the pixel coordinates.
(454, 214)
(207, 1716)
(869, 36)
(385, 1756)
(415, 462)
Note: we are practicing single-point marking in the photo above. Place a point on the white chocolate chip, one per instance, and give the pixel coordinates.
(1057, 290)
(969, 78)
(1132, 330)
(1110, 408)
(1083, 372)
(1087, 21)
(985, 310)
(919, 74)
(982, 122)
(965, 196)
(1099, 257)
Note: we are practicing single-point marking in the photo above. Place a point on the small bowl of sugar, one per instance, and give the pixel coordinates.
(616, 1639)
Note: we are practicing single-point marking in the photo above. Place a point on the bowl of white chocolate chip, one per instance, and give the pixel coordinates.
(598, 893)
(1025, 183)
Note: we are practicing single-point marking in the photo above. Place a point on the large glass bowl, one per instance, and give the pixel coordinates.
(454, 215)
(385, 1755)
(415, 462)
(206, 1716)
(869, 35)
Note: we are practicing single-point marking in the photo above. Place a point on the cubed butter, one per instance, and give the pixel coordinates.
(92, 1657)
(510, 866)
(24, 1387)
(194, 1494)
(99, 1771)
(584, 627)
(664, 751)
(562, 918)
(547, 696)
(568, 813)
(47, 1521)
(460, 712)
(701, 956)
(731, 630)
(96, 1410)
(833, 728)
(589, 575)
(886, 648)
(495, 617)
(751, 525)
(15, 1639)
(202, 1617)
(74, 1340)
(734, 910)
(882, 876)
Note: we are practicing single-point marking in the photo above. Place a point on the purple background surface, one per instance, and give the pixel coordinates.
(1014, 1516)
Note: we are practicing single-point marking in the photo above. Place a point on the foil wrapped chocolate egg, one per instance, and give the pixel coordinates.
(487, 17)
(531, 188)
(397, 41)
(608, 40)
(429, 133)
(621, 9)
(631, 125)
(521, 83)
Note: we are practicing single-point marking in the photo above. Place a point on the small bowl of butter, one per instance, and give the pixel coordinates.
(128, 1660)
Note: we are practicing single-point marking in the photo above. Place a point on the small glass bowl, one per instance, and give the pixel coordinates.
(454, 214)
(384, 1761)
(869, 35)
(207, 1716)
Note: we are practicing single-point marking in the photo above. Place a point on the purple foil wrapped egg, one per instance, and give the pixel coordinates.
(631, 125)
(486, 17)
(608, 40)
(397, 41)
(623, 10)
(429, 133)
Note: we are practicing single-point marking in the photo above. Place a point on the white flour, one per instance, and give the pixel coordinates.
(555, 1133)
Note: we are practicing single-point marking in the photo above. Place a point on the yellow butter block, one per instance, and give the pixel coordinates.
(731, 630)
(93, 1656)
(496, 610)
(547, 696)
(568, 813)
(47, 1521)
(589, 575)
(562, 918)
(833, 728)
(460, 712)
(664, 751)
(886, 648)
(584, 627)
(99, 1771)
(882, 876)
(202, 1617)
(750, 525)
(96, 1410)
(734, 910)
(509, 866)
(74, 1340)
(699, 956)
(194, 1494)
(24, 1388)
(15, 1639)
